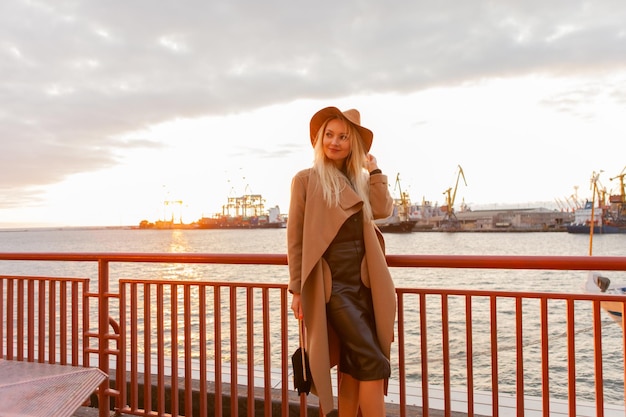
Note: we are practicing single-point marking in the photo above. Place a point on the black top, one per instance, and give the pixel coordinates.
(352, 229)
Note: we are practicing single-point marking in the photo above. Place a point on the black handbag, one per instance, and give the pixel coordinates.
(300, 362)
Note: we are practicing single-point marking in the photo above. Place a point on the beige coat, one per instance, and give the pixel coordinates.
(311, 227)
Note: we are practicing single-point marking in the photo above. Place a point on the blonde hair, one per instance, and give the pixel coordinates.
(332, 179)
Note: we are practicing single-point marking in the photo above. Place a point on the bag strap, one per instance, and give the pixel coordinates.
(302, 331)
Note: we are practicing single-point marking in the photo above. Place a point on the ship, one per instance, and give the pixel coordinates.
(399, 221)
(425, 214)
(608, 218)
(244, 212)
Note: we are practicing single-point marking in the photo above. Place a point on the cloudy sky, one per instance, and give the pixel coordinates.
(111, 108)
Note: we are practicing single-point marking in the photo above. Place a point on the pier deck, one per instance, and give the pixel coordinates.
(482, 401)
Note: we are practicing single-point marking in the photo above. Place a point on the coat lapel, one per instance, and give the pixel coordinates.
(330, 218)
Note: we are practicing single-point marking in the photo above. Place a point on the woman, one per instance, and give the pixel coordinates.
(339, 279)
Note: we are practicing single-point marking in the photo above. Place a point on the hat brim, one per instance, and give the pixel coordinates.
(318, 119)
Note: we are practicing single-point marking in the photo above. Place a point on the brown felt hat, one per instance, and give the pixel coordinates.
(353, 116)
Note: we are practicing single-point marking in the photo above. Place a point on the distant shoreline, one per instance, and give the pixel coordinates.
(82, 228)
(57, 228)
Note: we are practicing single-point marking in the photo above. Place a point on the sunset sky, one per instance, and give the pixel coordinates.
(110, 108)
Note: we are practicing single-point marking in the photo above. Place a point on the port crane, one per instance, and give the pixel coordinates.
(622, 194)
(403, 202)
(601, 193)
(179, 203)
(561, 205)
(619, 201)
(595, 178)
(449, 220)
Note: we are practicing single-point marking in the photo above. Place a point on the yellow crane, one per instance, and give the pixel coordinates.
(599, 189)
(451, 195)
(618, 202)
(622, 194)
(595, 178)
(403, 202)
(450, 219)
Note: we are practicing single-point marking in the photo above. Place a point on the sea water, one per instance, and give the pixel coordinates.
(273, 241)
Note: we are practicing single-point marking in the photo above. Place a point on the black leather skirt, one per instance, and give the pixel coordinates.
(350, 312)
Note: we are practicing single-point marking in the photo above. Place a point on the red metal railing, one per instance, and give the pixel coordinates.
(477, 355)
(187, 321)
(31, 332)
(519, 307)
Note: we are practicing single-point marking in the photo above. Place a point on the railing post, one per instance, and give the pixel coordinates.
(104, 404)
(597, 354)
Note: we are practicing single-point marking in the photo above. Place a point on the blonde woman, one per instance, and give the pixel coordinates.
(340, 283)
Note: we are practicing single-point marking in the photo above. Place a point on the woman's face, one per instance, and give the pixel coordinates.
(336, 142)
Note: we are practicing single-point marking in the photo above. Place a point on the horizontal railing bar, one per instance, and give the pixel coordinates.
(576, 296)
(188, 283)
(204, 258)
(609, 263)
(46, 279)
(613, 263)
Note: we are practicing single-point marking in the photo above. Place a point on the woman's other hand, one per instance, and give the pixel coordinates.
(370, 162)
(296, 307)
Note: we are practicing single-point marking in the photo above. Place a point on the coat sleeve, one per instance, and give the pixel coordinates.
(380, 197)
(295, 225)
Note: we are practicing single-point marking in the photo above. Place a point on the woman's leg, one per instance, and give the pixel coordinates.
(348, 396)
(372, 398)
(369, 395)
